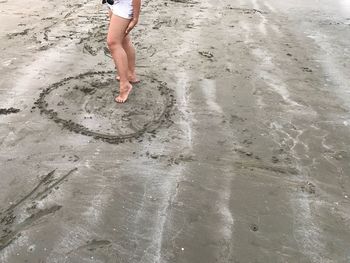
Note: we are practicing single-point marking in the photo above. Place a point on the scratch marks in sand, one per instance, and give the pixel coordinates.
(93, 245)
(9, 111)
(20, 215)
(267, 167)
(245, 11)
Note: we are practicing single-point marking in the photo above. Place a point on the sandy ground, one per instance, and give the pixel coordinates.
(233, 148)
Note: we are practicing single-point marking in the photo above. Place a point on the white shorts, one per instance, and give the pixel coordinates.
(122, 8)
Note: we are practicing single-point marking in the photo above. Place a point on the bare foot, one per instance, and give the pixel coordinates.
(132, 79)
(123, 93)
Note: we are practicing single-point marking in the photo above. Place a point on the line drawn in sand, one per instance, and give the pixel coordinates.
(10, 228)
(246, 11)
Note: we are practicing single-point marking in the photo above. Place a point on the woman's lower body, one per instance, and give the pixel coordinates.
(121, 47)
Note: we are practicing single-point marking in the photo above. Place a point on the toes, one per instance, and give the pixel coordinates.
(123, 97)
(119, 100)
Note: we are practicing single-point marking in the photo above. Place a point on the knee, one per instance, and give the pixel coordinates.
(112, 43)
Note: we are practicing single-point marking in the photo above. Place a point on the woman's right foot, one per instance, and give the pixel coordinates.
(123, 93)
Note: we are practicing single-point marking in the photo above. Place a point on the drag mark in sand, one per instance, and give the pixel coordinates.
(170, 186)
(265, 68)
(270, 7)
(335, 71)
(209, 90)
(167, 247)
(162, 214)
(11, 227)
(307, 232)
(262, 24)
(182, 95)
(171, 192)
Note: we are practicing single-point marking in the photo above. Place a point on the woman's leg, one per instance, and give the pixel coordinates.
(130, 52)
(116, 35)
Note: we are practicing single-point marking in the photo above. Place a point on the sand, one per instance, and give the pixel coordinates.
(233, 148)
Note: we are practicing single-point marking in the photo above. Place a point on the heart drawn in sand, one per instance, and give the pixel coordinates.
(85, 104)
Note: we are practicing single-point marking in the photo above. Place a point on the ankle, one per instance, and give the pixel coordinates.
(124, 83)
(123, 80)
(132, 74)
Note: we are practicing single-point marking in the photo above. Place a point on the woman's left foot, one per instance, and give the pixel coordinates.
(123, 94)
(132, 80)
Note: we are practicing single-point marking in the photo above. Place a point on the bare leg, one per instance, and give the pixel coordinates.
(116, 35)
(130, 52)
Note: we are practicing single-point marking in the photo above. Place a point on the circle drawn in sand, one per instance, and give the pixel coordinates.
(85, 104)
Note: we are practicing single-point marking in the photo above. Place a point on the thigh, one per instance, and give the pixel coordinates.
(117, 27)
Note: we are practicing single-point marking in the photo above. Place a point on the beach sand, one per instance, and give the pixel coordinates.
(233, 148)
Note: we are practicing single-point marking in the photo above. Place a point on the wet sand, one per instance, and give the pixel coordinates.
(233, 148)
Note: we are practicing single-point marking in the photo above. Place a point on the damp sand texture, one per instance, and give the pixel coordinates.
(233, 148)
